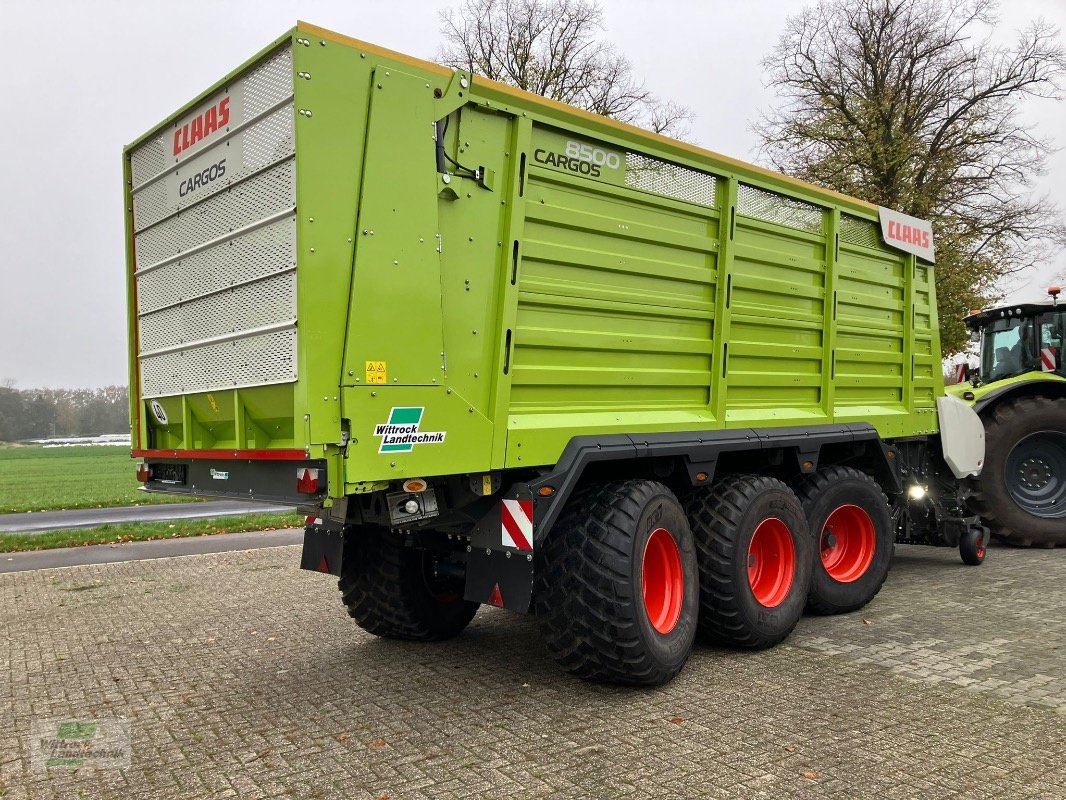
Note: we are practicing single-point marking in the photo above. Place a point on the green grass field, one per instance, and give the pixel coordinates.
(38, 478)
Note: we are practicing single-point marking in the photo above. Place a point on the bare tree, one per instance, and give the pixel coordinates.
(911, 104)
(553, 48)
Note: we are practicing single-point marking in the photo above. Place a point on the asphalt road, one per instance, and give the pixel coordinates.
(42, 521)
(139, 551)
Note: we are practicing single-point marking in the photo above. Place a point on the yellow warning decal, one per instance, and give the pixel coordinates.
(486, 485)
(376, 372)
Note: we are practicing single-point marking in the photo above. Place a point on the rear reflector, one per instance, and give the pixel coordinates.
(307, 481)
(144, 473)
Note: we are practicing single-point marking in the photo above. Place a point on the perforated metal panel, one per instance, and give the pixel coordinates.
(253, 361)
(254, 255)
(859, 231)
(670, 180)
(264, 87)
(267, 194)
(764, 205)
(266, 141)
(229, 312)
(215, 242)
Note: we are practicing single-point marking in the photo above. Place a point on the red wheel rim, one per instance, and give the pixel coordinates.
(662, 581)
(848, 543)
(771, 562)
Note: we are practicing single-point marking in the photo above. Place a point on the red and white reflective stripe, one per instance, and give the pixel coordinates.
(517, 519)
(1047, 359)
(958, 373)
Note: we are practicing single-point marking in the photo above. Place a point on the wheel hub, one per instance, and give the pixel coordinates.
(771, 562)
(1036, 474)
(662, 581)
(848, 543)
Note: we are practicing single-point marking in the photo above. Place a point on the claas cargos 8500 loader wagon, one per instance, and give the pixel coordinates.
(506, 351)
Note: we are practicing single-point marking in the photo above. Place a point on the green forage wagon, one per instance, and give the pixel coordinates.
(506, 351)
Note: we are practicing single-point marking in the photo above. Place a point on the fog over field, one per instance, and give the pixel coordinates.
(81, 79)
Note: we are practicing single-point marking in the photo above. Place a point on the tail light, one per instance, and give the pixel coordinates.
(144, 472)
(307, 481)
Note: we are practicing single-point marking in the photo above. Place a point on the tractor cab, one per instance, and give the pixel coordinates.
(1016, 340)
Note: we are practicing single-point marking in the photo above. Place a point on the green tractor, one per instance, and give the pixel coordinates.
(1020, 393)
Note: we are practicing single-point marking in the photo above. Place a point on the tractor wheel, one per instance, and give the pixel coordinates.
(615, 585)
(972, 546)
(391, 591)
(754, 553)
(848, 515)
(1021, 492)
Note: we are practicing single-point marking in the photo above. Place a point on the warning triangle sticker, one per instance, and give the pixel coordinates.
(323, 565)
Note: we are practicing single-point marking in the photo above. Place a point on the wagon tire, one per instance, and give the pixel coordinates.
(615, 585)
(390, 590)
(851, 524)
(754, 552)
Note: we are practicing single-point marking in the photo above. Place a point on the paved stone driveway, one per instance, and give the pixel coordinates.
(242, 677)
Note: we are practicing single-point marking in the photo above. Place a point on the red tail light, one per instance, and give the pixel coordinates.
(144, 472)
(307, 481)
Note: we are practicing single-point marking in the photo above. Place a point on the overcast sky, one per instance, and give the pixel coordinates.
(80, 79)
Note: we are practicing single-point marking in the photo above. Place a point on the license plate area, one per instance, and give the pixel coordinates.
(171, 474)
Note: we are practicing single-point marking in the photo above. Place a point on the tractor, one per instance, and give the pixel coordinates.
(1019, 391)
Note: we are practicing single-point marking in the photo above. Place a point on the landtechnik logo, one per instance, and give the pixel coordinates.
(402, 432)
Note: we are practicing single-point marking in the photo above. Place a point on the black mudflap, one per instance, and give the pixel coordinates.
(499, 567)
(323, 550)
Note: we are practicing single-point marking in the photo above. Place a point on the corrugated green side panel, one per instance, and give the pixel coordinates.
(615, 307)
(641, 310)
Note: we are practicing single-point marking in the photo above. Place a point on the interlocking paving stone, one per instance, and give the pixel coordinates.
(242, 677)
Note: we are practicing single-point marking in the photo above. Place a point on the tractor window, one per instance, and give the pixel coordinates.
(1007, 348)
(1052, 328)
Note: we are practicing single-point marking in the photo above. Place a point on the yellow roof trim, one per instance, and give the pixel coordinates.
(322, 33)
(599, 119)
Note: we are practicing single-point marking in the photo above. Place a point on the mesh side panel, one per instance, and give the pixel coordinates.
(265, 85)
(253, 361)
(670, 180)
(267, 141)
(147, 160)
(213, 302)
(268, 84)
(859, 231)
(254, 255)
(760, 204)
(253, 305)
(268, 193)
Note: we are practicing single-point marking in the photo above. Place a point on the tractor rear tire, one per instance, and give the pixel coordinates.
(615, 585)
(1021, 492)
(390, 590)
(849, 518)
(755, 553)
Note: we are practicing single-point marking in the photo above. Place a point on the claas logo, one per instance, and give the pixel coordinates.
(199, 128)
(908, 234)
